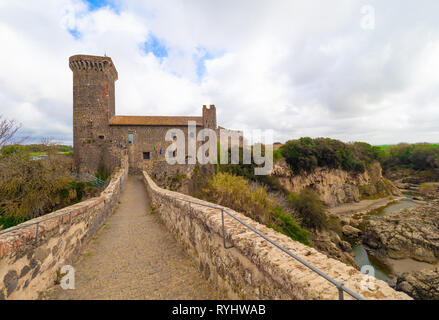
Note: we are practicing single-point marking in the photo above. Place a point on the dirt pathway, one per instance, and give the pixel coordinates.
(134, 257)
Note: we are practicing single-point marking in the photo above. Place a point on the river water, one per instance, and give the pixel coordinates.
(360, 254)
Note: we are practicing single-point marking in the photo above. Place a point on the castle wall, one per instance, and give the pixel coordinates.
(253, 268)
(146, 138)
(29, 266)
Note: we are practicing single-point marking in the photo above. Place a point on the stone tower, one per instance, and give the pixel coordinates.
(93, 107)
(209, 117)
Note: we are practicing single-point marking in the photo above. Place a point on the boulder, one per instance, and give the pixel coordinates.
(421, 285)
(351, 232)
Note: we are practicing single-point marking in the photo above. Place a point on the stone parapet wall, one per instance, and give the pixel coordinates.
(253, 268)
(28, 267)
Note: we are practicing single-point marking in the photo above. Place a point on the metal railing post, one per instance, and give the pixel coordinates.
(36, 232)
(224, 234)
(340, 292)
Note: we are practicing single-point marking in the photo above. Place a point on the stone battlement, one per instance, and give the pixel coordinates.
(93, 63)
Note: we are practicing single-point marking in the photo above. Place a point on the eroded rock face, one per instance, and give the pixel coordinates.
(412, 233)
(421, 285)
(329, 243)
(335, 186)
(351, 232)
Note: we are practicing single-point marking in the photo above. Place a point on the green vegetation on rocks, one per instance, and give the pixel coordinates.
(238, 194)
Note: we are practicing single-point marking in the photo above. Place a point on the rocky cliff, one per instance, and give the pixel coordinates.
(412, 233)
(336, 186)
(421, 285)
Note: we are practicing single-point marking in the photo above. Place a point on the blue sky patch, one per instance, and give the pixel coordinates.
(200, 58)
(97, 4)
(75, 33)
(155, 46)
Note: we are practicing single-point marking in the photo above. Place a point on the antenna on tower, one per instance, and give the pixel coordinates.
(105, 54)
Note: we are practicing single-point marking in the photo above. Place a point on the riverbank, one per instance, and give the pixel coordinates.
(362, 207)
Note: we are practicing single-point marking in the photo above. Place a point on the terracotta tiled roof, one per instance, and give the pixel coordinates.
(154, 121)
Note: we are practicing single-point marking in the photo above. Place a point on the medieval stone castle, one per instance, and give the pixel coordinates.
(99, 135)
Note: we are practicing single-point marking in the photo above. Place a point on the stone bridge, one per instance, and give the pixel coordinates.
(136, 241)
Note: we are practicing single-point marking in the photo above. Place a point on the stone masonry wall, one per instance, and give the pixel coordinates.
(253, 268)
(28, 267)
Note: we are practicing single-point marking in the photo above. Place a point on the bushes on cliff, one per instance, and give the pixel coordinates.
(308, 206)
(306, 154)
(238, 194)
(29, 189)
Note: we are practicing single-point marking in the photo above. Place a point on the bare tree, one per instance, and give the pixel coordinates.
(8, 129)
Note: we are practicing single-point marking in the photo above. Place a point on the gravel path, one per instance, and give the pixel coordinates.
(134, 257)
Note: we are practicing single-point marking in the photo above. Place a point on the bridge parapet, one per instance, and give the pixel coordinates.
(249, 267)
(32, 253)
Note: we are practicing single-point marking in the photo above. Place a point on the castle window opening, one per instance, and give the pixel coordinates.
(102, 137)
(146, 155)
(130, 138)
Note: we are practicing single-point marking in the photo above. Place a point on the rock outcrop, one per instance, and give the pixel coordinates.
(329, 243)
(412, 233)
(421, 285)
(336, 186)
(351, 232)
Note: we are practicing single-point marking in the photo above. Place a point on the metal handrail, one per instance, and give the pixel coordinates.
(36, 223)
(340, 286)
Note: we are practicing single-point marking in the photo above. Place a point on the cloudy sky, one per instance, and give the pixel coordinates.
(348, 69)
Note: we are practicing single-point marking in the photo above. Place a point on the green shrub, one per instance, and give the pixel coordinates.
(236, 193)
(277, 155)
(285, 224)
(306, 154)
(103, 173)
(29, 189)
(309, 207)
(415, 156)
(248, 172)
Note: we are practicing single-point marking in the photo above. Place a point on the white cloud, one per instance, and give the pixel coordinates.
(300, 68)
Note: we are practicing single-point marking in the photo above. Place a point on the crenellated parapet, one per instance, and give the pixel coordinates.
(93, 63)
